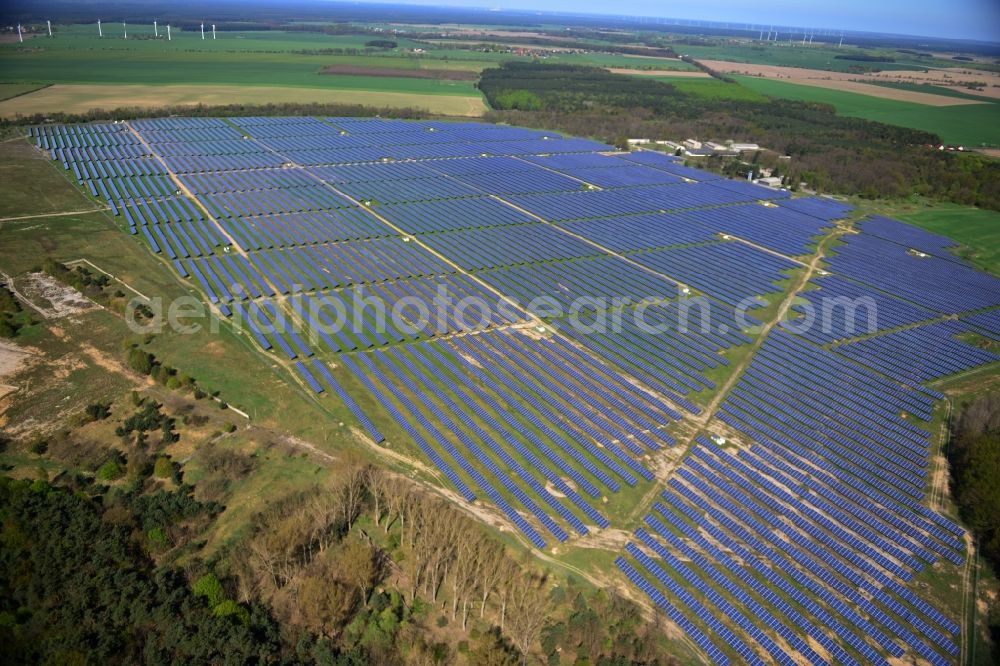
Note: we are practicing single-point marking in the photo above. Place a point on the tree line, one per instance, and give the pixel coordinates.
(222, 110)
(974, 456)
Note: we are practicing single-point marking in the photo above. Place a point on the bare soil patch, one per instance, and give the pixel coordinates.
(51, 298)
(400, 72)
(857, 83)
(12, 359)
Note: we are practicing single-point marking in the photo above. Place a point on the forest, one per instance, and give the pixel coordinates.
(974, 455)
(827, 152)
(361, 567)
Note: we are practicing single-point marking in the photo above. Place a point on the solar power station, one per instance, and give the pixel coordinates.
(786, 528)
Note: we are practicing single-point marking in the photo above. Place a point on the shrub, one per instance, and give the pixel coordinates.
(208, 586)
(109, 471)
(163, 468)
(230, 608)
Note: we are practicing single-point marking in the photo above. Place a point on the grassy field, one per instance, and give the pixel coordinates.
(9, 90)
(793, 54)
(167, 67)
(715, 89)
(970, 124)
(977, 230)
(251, 67)
(141, 38)
(82, 98)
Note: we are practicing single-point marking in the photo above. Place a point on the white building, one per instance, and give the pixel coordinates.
(770, 181)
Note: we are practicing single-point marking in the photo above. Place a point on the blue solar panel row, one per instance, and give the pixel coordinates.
(563, 283)
(986, 323)
(840, 309)
(908, 236)
(825, 565)
(823, 208)
(494, 247)
(730, 271)
(642, 232)
(625, 201)
(939, 284)
(918, 355)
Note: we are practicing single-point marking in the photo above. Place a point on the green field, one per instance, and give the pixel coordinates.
(971, 124)
(794, 54)
(711, 88)
(11, 90)
(977, 230)
(165, 67)
(244, 68)
(140, 38)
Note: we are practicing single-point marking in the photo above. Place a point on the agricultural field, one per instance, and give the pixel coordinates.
(973, 124)
(11, 90)
(255, 67)
(710, 88)
(797, 470)
(235, 68)
(816, 56)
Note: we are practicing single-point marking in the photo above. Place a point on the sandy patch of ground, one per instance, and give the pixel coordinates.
(686, 73)
(12, 359)
(992, 152)
(82, 98)
(51, 298)
(852, 82)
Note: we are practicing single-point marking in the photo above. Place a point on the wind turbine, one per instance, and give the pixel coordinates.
(203, 31)
(841, 40)
(19, 37)
(125, 29)
(100, 33)
(213, 31)
(49, 24)
(168, 32)
(156, 31)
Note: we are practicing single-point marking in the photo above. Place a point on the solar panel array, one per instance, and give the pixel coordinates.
(918, 355)
(796, 547)
(942, 285)
(839, 309)
(908, 235)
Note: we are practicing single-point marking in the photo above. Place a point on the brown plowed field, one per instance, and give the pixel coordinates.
(858, 83)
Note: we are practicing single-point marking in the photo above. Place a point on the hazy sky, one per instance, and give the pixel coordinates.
(964, 19)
